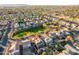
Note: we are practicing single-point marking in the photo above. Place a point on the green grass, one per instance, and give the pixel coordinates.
(32, 31)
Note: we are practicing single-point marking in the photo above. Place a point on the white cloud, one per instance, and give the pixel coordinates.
(41, 2)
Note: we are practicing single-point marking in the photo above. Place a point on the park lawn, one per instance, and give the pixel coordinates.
(28, 32)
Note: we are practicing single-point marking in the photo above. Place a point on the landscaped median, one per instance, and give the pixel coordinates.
(28, 32)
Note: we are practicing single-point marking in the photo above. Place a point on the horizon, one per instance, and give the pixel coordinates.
(41, 2)
(18, 5)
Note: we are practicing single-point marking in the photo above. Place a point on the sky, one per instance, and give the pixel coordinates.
(41, 2)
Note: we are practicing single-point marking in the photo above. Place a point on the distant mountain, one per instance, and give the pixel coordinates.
(26, 5)
(12, 5)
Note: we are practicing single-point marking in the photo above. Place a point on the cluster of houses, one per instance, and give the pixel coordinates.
(3, 26)
(28, 23)
(53, 37)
